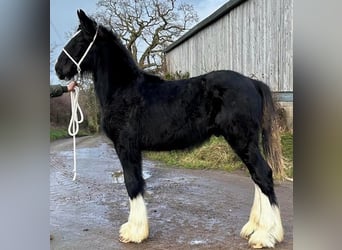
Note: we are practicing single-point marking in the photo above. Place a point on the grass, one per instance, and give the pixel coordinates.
(61, 133)
(287, 146)
(216, 154)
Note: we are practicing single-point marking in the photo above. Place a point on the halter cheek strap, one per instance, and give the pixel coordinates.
(78, 64)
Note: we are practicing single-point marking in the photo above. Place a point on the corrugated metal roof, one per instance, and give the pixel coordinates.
(226, 8)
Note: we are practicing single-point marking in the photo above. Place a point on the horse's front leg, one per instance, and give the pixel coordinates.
(136, 228)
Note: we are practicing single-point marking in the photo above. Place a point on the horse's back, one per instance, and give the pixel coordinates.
(230, 80)
(232, 88)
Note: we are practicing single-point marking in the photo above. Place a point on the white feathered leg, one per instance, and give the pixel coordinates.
(254, 216)
(136, 229)
(269, 229)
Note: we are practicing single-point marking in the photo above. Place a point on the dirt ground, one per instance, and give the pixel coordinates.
(188, 209)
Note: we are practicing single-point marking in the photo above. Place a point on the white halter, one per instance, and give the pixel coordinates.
(74, 121)
(78, 64)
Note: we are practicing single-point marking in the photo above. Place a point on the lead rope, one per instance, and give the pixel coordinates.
(75, 121)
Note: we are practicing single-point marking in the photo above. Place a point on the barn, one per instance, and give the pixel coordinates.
(253, 37)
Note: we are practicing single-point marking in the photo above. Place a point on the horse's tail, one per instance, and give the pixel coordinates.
(270, 132)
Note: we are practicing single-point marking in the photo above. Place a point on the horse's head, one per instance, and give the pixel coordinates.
(77, 47)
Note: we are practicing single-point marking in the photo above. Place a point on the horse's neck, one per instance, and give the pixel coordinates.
(112, 73)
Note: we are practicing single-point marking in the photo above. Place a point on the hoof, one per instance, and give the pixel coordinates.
(248, 229)
(129, 232)
(262, 239)
(136, 229)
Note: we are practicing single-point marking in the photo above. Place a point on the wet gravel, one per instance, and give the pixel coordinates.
(188, 209)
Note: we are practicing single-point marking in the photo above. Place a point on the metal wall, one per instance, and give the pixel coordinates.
(254, 38)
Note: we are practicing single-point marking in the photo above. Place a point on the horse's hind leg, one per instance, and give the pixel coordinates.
(252, 224)
(136, 229)
(264, 227)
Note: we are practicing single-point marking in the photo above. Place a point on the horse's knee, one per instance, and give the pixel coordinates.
(130, 158)
(135, 185)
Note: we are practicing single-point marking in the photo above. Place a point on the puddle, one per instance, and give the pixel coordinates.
(92, 162)
(198, 242)
(100, 152)
(189, 209)
(118, 178)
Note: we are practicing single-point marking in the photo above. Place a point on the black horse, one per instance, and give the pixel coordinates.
(141, 111)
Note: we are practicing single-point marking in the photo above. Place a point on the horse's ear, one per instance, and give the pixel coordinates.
(87, 24)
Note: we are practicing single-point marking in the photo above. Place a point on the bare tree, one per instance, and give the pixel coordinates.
(88, 102)
(147, 27)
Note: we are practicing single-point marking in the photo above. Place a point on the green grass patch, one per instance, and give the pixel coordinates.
(58, 133)
(216, 154)
(287, 146)
(61, 133)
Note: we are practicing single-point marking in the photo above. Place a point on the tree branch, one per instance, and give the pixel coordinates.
(147, 26)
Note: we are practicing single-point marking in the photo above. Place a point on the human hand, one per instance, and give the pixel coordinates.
(71, 86)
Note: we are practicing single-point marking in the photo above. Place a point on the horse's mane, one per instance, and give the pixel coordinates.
(112, 36)
(126, 55)
(122, 54)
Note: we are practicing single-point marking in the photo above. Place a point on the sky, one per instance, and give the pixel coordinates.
(64, 20)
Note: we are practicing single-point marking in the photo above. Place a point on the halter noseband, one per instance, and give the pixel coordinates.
(78, 64)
